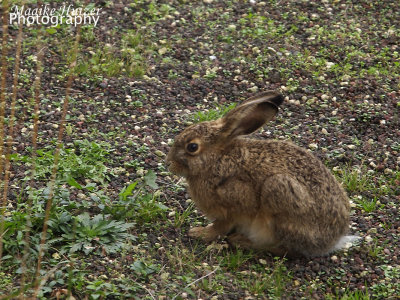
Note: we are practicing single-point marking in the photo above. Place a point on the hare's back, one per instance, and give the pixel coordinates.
(272, 157)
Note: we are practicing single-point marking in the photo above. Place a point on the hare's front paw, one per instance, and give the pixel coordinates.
(207, 233)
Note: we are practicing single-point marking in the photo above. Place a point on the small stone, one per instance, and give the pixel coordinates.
(253, 89)
(388, 171)
(324, 131)
(162, 51)
(159, 153)
(329, 64)
(164, 276)
(368, 239)
(324, 97)
(314, 16)
(256, 50)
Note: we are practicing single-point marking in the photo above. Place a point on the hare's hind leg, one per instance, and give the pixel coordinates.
(240, 240)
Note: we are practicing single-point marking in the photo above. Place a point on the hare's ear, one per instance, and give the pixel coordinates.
(251, 115)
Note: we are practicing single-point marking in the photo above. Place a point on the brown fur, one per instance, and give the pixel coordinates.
(272, 194)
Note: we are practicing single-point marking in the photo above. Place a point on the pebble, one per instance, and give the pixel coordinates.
(256, 50)
(253, 89)
(329, 64)
(388, 171)
(324, 97)
(262, 261)
(162, 51)
(159, 153)
(368, 239)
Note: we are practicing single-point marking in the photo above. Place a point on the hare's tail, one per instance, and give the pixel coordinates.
(346, 242)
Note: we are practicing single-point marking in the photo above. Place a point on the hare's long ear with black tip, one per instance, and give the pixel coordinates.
(251, 115)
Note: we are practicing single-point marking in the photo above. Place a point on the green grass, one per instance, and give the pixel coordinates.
(367, 188)
(355, 295)
(214, 113)
(109, 61)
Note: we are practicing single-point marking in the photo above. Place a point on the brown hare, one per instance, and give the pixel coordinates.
(263, 194)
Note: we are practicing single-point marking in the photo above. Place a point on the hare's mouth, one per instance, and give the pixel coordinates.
(177, 169)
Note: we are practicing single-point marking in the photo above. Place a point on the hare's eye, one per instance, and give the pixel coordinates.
(192, 147)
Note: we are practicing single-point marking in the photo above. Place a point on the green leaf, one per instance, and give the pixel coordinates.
(76, 247)
(161, 206)
(72, 182)
(127, 191)
(51, 30)
(150, 179)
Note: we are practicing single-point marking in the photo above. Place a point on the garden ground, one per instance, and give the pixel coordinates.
(119, 220)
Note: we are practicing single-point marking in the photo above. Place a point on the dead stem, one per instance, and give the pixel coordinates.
(71, 78)
(2, 112)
